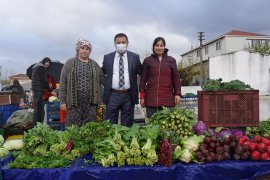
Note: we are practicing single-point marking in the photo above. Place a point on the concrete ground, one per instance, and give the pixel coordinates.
(264, 107)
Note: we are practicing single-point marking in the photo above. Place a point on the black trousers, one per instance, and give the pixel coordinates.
(120, 102)
(39, 107)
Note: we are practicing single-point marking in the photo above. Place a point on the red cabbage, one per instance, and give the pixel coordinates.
(199, 128)
(238, 132)
(223, 133)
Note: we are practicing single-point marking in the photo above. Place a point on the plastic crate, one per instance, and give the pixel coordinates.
(57, 125)
(6, 111)
(11, 107)
(53, 110)
(229, 108)
(1, 118)
(53, 106)
(53, 115)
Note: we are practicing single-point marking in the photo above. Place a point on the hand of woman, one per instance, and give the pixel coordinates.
(177, 99)
(63, 107)
(142, 103)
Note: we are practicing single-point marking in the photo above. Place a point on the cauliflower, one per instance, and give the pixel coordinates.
(3, 152)
(13, 144)
(1, 140)
(52, 99)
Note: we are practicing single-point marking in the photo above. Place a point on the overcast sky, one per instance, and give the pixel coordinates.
(33, 29)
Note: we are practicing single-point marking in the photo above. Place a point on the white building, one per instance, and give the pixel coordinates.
(227, 43)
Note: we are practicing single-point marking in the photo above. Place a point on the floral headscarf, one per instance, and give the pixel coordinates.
(83, 42)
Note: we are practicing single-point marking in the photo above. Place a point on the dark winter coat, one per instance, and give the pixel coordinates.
(39, 78)
(160, 81)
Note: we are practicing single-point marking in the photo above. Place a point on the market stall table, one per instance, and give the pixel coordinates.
(223, 170)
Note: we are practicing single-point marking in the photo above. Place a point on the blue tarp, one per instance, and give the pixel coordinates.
(223, 170)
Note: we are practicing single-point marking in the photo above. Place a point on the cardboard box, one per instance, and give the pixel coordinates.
(6, 99)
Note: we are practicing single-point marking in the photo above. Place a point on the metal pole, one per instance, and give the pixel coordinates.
(201, 35)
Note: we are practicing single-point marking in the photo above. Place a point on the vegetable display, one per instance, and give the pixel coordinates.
(165, 155)
(218, 85)
(199, 128)
(128, 146)
(263, 129)
(46, 148)
(176, 122)
(170, 135)
(2, 140)
(13, 145)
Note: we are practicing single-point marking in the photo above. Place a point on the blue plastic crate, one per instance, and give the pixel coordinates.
(10, 107)
(53, 116)
(53, 106)
(6, 111)
(57, 125)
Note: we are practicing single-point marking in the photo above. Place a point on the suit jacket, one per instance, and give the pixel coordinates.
(134, 68)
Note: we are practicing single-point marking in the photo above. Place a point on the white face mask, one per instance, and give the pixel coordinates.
(121, 48)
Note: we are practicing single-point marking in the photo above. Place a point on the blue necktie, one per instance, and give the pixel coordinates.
(121, 73)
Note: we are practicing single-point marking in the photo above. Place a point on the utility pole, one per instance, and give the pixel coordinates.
(201, 38)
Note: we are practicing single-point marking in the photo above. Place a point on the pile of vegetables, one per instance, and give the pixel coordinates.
(263, 129)
(218, 85)
(52, 99)
(185, 151)
(170, 135)
(165, 154)
(239, 147)
(3, 151)
(216, 149)
(200, 128)
(9, 145)
(175, 123)
(128, 146)
(47, 148)
(259, 147)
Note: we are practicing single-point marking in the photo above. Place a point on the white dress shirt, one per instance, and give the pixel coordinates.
(115, 79)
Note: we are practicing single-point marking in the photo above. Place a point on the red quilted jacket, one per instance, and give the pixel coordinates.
(160, 81)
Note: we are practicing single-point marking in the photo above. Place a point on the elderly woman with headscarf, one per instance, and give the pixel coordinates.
(17, 88)
(80, 86)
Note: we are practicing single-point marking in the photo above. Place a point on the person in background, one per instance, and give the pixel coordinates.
(18, 89)
(121, 68)
(80, 86)
(160, 80)
(39, 85)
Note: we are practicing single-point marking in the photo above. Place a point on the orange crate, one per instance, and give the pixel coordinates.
(229, 108)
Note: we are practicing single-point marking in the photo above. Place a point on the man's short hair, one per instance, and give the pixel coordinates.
(120, 35)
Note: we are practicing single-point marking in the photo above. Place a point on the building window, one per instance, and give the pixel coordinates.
(198, 53)
(206, 50)
(257, 42)
(218, 45)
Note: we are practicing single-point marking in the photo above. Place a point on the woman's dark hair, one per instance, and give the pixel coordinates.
(46, 59)
(156, 41)
(120, 35)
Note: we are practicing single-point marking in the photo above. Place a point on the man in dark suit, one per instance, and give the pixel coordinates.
(121, 68)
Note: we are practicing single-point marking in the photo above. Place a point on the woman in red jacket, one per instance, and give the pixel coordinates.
(160, 80)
